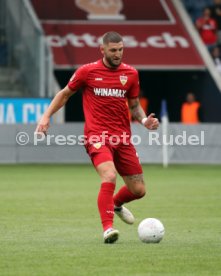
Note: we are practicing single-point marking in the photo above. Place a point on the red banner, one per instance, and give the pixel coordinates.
(153, 39)
(130, 10)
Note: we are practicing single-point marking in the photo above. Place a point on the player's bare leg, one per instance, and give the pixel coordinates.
(135, 184)
(134, 189)
(108, 175)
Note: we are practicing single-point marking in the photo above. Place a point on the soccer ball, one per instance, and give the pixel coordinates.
(151, 230)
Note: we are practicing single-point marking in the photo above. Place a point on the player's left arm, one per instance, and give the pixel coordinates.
(138, 114)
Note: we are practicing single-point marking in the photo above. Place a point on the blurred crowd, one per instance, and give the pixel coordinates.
(206, 15)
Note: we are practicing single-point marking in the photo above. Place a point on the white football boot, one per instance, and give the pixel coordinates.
(124, 214)
(111, 235)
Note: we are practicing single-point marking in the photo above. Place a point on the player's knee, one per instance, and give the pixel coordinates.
(109, 176)
(139, 191)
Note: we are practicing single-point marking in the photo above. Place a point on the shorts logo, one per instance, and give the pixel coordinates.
(97, 145)
(123, 79)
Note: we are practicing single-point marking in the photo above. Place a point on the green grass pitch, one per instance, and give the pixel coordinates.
(49, 223)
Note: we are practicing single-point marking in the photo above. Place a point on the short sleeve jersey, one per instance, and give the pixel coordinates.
(105, 93)
(208, 30)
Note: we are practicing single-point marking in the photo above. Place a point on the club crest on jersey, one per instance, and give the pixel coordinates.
(97, 145)
(123, 79)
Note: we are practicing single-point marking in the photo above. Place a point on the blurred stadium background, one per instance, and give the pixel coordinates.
(41, 45)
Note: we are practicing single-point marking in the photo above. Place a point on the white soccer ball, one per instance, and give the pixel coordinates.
(151, 230)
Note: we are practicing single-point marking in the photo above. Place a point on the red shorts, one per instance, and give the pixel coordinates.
(125, 157)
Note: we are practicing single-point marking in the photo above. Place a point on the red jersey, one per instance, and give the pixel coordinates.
(207, 29)
(105, 91)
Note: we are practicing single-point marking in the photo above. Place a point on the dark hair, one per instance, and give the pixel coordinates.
(112, 37)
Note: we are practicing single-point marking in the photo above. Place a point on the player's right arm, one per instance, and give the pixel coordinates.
(59, 101)
(76, 82)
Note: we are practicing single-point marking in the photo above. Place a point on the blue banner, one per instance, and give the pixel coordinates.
(22, 111)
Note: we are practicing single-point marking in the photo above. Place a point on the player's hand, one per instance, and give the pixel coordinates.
(43, 126)
(151, 123)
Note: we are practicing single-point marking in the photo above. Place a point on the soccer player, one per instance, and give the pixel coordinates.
(107, 86)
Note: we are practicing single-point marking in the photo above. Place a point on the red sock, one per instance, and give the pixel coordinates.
(124, 196)
(106, 204)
